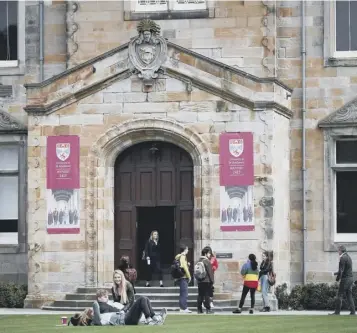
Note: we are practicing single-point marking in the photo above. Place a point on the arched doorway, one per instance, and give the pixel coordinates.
(153, 190)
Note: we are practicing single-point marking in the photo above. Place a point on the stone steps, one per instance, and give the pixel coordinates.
(160, 297)
(151, 296)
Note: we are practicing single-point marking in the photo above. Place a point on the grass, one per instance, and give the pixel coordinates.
(193, 324)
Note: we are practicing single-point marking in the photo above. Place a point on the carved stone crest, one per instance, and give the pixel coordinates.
(148, 51)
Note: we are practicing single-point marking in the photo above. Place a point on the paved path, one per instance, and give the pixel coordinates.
(5, 311)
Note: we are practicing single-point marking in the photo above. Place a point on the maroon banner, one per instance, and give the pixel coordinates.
(63, 185)
(63, 162)
(236, 159)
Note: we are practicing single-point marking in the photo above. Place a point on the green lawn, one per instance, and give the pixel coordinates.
(194, 324)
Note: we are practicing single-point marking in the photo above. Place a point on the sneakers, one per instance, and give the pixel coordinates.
(251, 311)
(265, 309)
(237, 311)
(158, 319)
(185, 311)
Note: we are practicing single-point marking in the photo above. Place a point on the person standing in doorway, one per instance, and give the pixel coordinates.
(153, 257)
(250, 274)
(345, 277)
(184, 280)
(265, 269)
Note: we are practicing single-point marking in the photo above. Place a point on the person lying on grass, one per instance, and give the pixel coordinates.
(106, 314)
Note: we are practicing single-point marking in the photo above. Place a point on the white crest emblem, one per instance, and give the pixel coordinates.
(63, 150)
(236, 147)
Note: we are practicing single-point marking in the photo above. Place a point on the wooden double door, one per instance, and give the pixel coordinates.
(148, 175)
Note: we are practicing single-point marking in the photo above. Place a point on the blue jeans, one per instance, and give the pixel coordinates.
(265, 288)
(183, 293)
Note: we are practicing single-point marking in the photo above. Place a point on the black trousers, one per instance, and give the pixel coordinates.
(204, 292)
(141, 306)
(154, 267)
(345, 289)
(244, 295)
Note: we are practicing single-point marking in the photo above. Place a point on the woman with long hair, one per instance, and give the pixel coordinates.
(153, 257)
(266, 268)
(82, 319)
(250, 274)
(122, 290)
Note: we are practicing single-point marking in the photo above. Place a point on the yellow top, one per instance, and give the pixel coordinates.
(184, 265)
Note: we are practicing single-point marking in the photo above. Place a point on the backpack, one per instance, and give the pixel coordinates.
(131, 275)
(176, 269)
(271, 278)
(200, 271)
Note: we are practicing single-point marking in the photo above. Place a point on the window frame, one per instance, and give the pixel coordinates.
(332, 57)
(331, 237)
(172, 11)
(20, 142)
(16, 67)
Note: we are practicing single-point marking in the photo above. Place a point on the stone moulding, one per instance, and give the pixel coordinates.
(9, 124)
(346, 116)
(103, 155)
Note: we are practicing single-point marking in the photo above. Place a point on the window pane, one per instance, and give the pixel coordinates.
(9, 156)
(346, 202)
(8, 30)
(353, 25)
(9, 197)
(342, 26)
(346, 151)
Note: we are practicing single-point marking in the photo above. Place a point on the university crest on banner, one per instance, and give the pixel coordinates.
(63, 150)
(236, 147)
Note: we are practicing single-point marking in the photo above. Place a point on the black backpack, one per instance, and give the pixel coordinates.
(177, 271)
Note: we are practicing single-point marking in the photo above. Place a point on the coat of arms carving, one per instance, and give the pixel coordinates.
(148, 51)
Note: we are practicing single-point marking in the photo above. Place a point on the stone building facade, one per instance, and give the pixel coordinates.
(226, 66)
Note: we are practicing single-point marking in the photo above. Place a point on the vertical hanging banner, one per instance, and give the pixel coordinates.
(236, 158)
(63, 184)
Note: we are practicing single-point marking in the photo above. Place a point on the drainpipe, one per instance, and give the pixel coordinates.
(303, 58)
(41, 8)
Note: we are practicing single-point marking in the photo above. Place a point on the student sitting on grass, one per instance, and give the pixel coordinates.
(106, 314)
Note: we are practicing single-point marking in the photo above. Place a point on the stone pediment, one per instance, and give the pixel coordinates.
(151, 57)
(346, 116)
(9, 124)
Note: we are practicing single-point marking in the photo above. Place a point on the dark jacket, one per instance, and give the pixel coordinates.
(209, 276)
(344, 267)
(106, 308)
(265, 268)
(152, 250)
(130, 294)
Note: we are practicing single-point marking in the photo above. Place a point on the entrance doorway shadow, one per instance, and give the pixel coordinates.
(161, 219)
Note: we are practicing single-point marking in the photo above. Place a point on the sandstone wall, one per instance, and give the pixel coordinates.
(236, 35)
(328, 88)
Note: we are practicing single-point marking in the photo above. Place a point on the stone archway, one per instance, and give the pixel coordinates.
(100, 181)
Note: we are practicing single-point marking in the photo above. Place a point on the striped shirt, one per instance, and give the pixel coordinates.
(250, 276)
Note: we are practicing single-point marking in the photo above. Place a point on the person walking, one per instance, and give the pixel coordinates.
(265, 269)
(153, 257)
(250, 274)
(184, 280)
(205, 279)
(345, 277)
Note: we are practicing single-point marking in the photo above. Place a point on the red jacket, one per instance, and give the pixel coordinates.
(214, 263)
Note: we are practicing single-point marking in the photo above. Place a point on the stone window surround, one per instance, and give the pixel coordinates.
(331, 57)
(17, 67)
(331, 239)
(101, 171)
(131, 14)
(21, 141)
